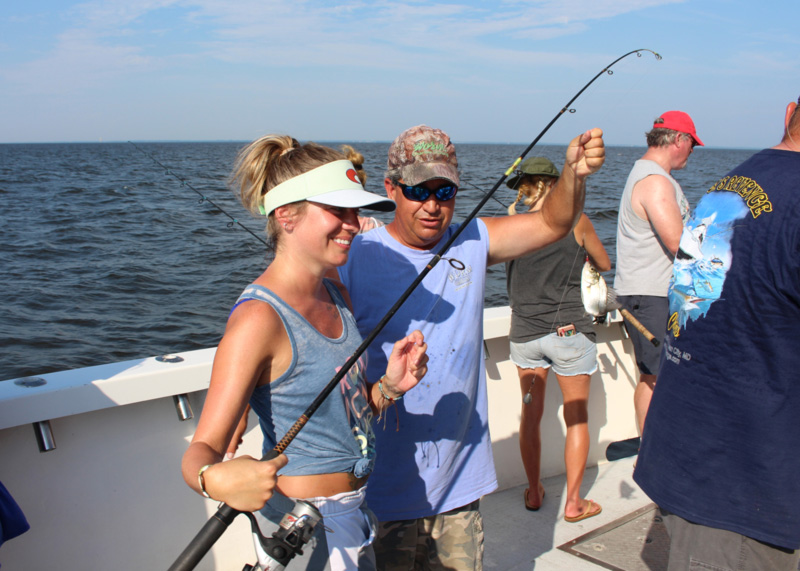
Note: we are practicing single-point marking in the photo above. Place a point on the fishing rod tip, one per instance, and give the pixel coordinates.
(639, 53)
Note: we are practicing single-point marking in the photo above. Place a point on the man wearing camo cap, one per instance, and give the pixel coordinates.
(435, 460)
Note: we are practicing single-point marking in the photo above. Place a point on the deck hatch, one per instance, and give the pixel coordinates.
(635, 542)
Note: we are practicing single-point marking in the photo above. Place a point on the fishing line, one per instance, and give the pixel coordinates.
(218, 523)
(203, 198)
(484, 192)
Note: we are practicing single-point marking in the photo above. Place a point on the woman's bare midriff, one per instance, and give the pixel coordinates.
(319, 485)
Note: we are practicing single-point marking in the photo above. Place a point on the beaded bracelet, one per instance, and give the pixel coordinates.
(383, 394)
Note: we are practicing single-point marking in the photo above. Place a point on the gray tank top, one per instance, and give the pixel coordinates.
(644, 264)
(544, 290)
(338, 437)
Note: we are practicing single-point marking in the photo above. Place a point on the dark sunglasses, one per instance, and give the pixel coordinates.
(421, 194)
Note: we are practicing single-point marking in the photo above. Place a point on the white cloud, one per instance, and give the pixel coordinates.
(380, 62)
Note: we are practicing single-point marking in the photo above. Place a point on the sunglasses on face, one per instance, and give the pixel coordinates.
(421, 193)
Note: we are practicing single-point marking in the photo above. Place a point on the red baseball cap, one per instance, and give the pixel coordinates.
(678, 121)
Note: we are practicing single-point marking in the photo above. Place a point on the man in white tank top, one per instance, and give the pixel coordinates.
(651, 216)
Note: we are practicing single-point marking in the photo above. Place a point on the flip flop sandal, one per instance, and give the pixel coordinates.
(527, 505)
(586, 514)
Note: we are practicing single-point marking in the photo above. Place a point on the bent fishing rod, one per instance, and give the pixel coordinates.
(218, 523)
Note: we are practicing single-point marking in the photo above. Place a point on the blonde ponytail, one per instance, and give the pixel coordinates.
(531, 189)
(267, 162)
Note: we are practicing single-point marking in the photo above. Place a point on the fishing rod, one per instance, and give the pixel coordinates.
(203, 198)
(218, 523)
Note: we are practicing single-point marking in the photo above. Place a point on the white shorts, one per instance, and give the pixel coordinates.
(342, 539)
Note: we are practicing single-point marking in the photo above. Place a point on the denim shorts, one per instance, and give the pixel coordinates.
(569, 356)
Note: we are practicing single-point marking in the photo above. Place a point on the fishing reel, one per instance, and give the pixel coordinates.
(295, 530)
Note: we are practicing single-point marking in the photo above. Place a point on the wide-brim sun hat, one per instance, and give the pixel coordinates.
(533, 166)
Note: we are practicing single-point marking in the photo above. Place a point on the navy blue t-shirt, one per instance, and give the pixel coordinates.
(721, 444)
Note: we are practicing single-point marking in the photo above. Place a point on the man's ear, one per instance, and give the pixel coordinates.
(390, 188)
(789, 112)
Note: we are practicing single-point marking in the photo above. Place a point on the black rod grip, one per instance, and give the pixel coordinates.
(205, 539)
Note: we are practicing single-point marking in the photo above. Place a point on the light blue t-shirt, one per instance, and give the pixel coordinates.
(441, 456)
(338, 437)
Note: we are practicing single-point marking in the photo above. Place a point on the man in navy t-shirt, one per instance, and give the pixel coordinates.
(720, 452)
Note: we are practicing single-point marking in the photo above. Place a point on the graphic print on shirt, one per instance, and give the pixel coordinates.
(354, 394)
(460, 278)
(704, 255)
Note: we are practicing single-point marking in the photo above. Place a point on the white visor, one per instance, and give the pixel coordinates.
(334, 184)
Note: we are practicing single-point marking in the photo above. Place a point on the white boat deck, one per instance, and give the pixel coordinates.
(521, 540)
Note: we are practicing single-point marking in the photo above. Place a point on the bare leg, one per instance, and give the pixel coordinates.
(530, 440)
(576, 449)
(641, 398)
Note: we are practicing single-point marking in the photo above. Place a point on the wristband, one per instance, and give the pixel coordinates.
(202, 481)
(383, 394)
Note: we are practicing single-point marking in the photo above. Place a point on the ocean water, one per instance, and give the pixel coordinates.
(116, 251)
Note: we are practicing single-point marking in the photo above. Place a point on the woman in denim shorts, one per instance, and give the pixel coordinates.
(550, 328)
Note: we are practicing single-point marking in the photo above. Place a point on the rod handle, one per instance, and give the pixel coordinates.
(639, 327)
(205, 539)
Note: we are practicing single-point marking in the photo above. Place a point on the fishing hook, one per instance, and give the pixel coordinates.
(218, 523)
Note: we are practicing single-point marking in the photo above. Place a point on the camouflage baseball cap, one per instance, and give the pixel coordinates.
(422, 153)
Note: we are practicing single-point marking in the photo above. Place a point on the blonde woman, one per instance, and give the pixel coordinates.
(287, 335)
(549, 328)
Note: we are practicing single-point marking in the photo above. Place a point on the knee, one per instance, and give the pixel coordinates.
(533, 411)
(576, 412)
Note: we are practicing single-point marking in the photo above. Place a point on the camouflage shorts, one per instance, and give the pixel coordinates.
(452, 540)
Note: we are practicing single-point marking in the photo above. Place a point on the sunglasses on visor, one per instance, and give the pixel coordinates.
(421, 193)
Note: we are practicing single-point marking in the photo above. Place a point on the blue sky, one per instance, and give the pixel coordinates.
(364, 70)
